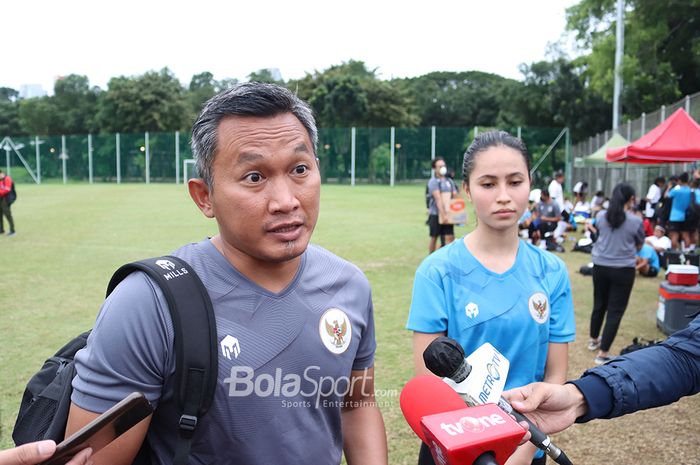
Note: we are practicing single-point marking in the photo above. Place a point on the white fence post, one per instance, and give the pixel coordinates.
(177, 158)
(352, 156)
(391, 176)
(38, 159)
(64, 157)
(90, 158)
(119, 165)
(148, 160)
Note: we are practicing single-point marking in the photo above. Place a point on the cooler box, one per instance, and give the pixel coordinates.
(682, 275)
(677, 304)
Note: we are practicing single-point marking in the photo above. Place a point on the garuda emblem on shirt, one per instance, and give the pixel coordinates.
(335, 330)
(538, 304)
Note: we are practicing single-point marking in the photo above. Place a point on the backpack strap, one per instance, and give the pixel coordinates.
(196, 351)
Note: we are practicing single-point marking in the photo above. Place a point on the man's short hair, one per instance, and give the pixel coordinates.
(544, 193)
(254, 99)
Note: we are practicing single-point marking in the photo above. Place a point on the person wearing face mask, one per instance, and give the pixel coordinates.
(436, 207)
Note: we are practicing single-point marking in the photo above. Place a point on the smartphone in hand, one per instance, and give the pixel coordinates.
(104, 429)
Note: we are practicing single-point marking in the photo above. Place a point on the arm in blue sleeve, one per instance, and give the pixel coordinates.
(562, 326)
(650, 377)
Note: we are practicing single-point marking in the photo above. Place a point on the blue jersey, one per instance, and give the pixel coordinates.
(680, 201)
(649, 253)
(519, 312)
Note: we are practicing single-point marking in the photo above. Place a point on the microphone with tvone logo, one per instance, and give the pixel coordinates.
(482, 435)
(480, 379)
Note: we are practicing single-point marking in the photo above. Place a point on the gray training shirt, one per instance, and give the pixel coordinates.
(617, 247)
(284, 359)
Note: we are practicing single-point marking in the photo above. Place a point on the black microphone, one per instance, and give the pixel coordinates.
(445, 357)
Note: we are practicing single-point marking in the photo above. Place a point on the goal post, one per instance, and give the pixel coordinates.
(189, 170)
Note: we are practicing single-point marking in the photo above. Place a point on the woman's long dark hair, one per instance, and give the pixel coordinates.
(621, 194)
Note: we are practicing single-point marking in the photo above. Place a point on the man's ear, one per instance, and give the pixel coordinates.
(199, 191)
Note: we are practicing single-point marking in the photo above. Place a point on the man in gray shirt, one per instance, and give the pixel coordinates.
(436, 208)
(548, 215)
(294, 322)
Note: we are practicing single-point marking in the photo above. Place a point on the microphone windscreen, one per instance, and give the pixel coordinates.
(427, 395)
(443, 356)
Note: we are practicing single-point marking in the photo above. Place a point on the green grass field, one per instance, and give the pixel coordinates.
(71, 238)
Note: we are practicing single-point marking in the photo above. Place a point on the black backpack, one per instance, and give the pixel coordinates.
(44, 408)
(692, 213)
(12, 196)
(639, 343)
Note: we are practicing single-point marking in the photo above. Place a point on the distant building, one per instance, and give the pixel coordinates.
(31, 90)
(275, 73)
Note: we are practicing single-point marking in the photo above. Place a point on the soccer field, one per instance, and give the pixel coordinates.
(71, 238)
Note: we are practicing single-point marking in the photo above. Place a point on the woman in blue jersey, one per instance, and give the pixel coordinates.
(492, 287)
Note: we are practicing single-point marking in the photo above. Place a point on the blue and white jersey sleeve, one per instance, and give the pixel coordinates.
(562, 325)
(428, 312)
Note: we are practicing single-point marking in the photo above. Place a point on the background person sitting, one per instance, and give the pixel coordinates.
(597, 203)
(525, 221)
(580, 191)
(549, 215)
(647, 261)
(660, 243)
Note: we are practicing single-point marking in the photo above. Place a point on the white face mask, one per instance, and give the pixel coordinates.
(443, 170)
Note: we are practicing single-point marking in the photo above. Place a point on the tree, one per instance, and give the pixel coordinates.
(9, 113)
(202, 88)
(264, 75)
(349, 94)
(74, 103)
(152, 102)
(662, 50)
(38, 115)
(556, 94)
(461, 99)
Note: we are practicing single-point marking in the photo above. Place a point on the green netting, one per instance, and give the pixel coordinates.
(450, 144)
(104, 157)
(123, 156)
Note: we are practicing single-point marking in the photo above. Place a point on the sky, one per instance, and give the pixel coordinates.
(41, 40)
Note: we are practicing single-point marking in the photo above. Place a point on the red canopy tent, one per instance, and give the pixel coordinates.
(675, 140)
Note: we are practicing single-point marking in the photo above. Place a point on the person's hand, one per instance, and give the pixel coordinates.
(37, 452)
(552, 407)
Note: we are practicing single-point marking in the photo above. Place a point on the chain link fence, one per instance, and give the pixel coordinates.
(604, 178)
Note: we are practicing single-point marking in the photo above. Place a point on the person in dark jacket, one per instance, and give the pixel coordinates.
(647, 378)
(5, 202)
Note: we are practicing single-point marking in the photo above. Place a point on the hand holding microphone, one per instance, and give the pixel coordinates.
(456, 435)
(480, 379)
(553, 407)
